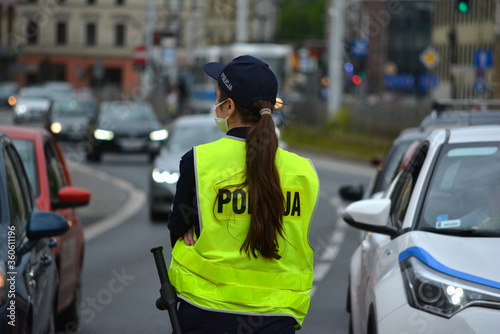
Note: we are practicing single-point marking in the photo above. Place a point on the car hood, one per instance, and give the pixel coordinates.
(41, 103)
(71, 120)
(470, 257)
(140, 127)
(168, 161)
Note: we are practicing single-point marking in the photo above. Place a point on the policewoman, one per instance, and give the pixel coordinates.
(242, 262)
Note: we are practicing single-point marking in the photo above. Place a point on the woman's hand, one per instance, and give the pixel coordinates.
(188, 237)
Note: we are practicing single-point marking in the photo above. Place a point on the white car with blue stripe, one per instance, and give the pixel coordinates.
(431, 262)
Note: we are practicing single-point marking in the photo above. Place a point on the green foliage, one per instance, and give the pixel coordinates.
(341, 120)
(336, 141)
(301, 19)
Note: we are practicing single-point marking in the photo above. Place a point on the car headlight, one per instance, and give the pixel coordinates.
(56, 127)
(436, 292)
(20, 109)
(160, 176)
(103, 134)
(158, 135)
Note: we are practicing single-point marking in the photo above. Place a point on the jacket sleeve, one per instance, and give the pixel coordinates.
(184, 210)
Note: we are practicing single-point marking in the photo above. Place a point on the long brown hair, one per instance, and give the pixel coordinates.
(266, 200)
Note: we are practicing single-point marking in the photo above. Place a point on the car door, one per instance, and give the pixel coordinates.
(67, 249)
(35, 268)
(378, 251)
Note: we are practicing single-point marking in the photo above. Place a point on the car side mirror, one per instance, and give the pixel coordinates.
(351, 192)
(45, 224)
(71, 197)
(370, 215)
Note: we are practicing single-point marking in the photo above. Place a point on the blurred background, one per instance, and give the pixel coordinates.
(372, 66)
(353, 74)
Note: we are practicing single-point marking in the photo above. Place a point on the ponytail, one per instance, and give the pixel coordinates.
(266, 200)
(264, 187)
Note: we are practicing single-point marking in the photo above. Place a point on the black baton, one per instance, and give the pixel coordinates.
(168, 296)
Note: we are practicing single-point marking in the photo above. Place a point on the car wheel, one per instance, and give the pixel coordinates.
(156, 216)
(152, 157)
(349, 309)
(69, 319)
(372, 326)
(94, 154)
(52, 324)
(27, 328)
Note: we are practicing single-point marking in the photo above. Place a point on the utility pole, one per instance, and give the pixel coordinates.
(149, 26)
(242, 21)
(173, 41)
(336, 55)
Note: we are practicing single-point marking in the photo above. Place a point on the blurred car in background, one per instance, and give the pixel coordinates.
(8, 91)
(447, 113)
(124, 127)
(429, 259)
(31, 104)
(68, 118)
(51, 184)
(29, 278)
(186, 132)
(387, 168)
(59, 88)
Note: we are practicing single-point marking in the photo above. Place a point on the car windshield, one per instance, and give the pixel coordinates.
(6, 90)
(73, 108)
(183, 138)
(128, 113)
(464, 192)
(34, 92)
(26, 150)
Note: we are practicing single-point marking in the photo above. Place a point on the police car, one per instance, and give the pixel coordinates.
(431, 260)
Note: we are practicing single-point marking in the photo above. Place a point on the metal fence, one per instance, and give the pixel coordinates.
(387, 119)
(372, 116)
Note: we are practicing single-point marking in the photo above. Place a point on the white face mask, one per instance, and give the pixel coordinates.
(221, 122)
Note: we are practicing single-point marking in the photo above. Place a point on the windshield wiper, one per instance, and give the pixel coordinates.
(463, 233)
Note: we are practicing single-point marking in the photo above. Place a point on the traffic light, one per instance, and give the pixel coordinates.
(357, 80)
(462, 6)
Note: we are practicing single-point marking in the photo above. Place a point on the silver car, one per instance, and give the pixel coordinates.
(31, 104)
(186, 132)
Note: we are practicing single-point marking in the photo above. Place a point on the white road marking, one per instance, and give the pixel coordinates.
(330, 248)
(135, 201)
(330, 253)
(321, 270)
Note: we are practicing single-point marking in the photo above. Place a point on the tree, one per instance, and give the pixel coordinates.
(301, 19)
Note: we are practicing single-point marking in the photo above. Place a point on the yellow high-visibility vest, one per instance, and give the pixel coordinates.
(214, 274)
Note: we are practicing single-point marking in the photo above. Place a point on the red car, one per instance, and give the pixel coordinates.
(51, 183)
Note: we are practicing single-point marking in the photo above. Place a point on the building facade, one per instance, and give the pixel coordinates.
(94, 42)
(8, 50)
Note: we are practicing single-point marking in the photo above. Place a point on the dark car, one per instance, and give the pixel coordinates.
(29, 278)
(68, 118)
(50, 179)
(125, 127)
(186, 132)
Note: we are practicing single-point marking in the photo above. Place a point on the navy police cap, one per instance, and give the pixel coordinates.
(245, 79)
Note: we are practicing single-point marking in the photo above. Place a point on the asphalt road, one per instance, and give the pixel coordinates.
(120, 282)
